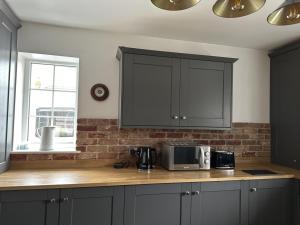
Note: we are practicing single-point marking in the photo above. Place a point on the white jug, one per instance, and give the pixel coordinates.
(47, 138)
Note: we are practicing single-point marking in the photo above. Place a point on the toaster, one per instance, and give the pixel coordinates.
(222, 159)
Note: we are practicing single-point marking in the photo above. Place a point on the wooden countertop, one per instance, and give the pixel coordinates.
(106, 176)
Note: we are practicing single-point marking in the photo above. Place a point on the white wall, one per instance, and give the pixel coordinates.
(97, 50)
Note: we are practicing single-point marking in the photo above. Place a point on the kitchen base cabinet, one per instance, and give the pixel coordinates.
(92, 206)
(217, 203)
(167, 204)
(257, 202)
(81, 206)
(270, 202)
(34, 207)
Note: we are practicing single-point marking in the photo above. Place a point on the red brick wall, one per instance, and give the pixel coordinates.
(100, 139)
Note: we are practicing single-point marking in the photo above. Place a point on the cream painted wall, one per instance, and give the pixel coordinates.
(97, 50)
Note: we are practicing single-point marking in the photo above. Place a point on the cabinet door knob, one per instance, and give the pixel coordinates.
(175, 117)
(196, 193)
(65, 199)
(186, 193)
(253, 190)
(183, 117)
(52, 200)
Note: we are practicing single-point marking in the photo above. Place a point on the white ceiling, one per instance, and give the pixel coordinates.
(141, 17)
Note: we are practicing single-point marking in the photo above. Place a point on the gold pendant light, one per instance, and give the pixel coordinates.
(175, 5)
(287, 14)
(237, 8)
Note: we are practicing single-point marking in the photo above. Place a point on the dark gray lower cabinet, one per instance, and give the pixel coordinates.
(92, 206)
(34, 207)
(82, 206)
(217, 203)
(261, 202)
(270, 202)
(167, 204)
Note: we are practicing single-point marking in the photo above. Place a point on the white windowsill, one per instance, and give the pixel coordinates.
(71, 151)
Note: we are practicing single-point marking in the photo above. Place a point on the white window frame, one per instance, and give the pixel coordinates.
(26, 97)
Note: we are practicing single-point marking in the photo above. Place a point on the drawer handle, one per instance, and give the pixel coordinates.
(253, 189)
(183, 117)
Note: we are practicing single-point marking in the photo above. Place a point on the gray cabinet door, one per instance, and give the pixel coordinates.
(217, 203)
(32, 207)
(92, 206)
(296, 205)
(5, 61)
(8, 58)
(150, 94)
(270, 202)
(205, 94)
(157, 205)
(285, 108)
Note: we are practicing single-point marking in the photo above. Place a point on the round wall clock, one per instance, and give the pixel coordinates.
(99, 92)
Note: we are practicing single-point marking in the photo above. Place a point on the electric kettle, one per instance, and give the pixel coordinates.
(146, 157)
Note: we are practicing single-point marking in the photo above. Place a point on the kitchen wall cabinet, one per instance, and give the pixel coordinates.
(285, 107)
(270, 202)
(172, 90)
(151, 91)
(8, 58)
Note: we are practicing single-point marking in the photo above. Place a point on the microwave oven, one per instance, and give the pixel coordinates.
(185, 156)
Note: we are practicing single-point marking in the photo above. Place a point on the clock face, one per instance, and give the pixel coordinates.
(99, 92)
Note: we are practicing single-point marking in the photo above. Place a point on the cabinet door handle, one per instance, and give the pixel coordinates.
(175, 117)
(196, 193)
(253, 190)
(183, 117)
(52, 201)
(65, 199)
(186, 193)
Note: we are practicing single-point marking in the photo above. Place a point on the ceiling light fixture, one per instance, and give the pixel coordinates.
(237, 8)
(287, 14)
(175, 5)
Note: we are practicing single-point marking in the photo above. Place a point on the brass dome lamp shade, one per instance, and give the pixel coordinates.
(237, 8)
(175, 5)
(287, 14)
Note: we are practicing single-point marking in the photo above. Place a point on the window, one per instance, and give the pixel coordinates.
(49, 99)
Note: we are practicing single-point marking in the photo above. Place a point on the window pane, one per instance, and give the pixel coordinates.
(65, 126)
(65, 99)
(34, 124)
(65, 78)
(40, 103)
(41, 76)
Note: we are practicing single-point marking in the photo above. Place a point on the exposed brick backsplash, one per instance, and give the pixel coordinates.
(100, 139)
